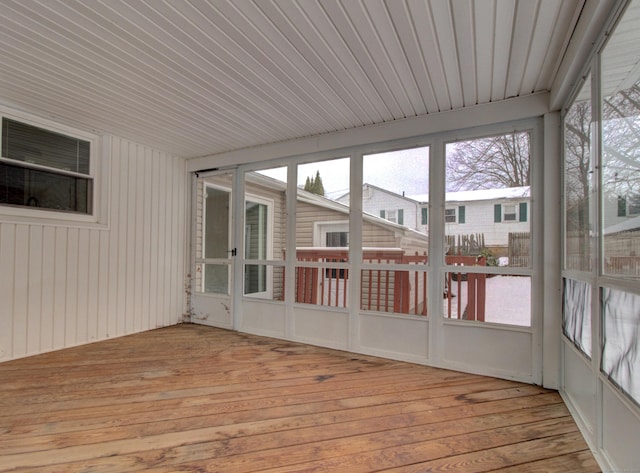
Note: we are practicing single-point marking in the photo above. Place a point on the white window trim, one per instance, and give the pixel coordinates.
(320, 230)
(629, 212)
(268, 294)
(516, 213)
(99, 159)
(391, 215)
(270, 219)
(455, 215)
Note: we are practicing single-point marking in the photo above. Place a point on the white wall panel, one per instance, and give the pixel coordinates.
(62, 285)
(263, 318)
(318, 326)
(580, 387)
(620, 426)
(488, 350)
(403, 338)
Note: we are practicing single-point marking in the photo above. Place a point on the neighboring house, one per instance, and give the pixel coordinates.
(321, 223)
(392, 207)
(621, 246)
(618, 211)
(495, 213)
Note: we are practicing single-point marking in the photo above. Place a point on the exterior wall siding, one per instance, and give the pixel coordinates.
(62, 285)
(479, 218)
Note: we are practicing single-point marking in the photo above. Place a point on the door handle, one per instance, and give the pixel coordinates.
(233, 252)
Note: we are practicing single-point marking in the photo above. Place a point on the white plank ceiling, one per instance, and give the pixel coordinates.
(199, 77)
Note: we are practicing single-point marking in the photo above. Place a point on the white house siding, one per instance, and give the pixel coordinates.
(374, 200)
(64, 285)
(479, 218)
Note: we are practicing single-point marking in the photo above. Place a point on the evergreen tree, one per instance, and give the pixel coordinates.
(314, 185)
(318, 188)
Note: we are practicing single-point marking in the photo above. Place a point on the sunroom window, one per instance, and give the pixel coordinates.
(44, 169)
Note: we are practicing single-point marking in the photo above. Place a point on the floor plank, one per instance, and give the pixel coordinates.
(194, 398)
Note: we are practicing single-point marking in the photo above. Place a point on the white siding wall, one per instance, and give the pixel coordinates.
(373, 201)
(62, 286)
(479, 218)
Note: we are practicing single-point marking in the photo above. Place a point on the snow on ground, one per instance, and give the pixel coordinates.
(508, 300)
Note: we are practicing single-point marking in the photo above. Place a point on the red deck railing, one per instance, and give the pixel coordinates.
(386, 290)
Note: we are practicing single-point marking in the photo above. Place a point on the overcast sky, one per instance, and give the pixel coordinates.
(398, 171)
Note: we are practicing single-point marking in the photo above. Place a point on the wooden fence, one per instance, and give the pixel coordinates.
(519, 249)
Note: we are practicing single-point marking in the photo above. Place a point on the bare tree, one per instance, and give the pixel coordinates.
(489, 163)
(621, 142)
(578, 183)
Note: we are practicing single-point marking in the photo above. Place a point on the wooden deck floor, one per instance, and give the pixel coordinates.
(192, 398)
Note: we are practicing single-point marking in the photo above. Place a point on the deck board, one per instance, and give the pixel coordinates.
(194, 398)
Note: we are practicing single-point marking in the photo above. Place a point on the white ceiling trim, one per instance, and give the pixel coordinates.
(410, 129)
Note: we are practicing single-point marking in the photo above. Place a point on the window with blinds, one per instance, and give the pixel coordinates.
(44, 169)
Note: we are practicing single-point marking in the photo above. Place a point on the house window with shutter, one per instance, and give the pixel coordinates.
(509, 213)
(395, 216)
(628, 206)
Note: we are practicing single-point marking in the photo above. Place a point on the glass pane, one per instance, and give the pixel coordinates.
(216, 279)
(397, 291)
(576, 314)
(46, 190)
(213, 233)
(255, 246)
(488, 199)
(395, 230)
(501, 299)
(265, 232)
(578, 184)
(256, 216)
(216, 241)
(327, 285)
(255, 278)
(322, 232)
(396, 188)
(620, 351)
(35, 145)
(621, 152)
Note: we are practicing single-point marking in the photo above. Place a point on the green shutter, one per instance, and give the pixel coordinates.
(401, 216)
(497, 213)
(523, 212)
(382, 214)
(425, 216)
(461, 215)
(622, 206)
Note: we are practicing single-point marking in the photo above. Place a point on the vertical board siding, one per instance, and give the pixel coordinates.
(62, 286)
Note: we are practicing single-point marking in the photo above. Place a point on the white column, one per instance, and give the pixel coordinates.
(551, 247)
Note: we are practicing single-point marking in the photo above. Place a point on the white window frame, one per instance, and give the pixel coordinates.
(391, 215)
(514, 213)
(320, 230)
(99, 154)
(455, 215)
(632, 210)
(269, 203)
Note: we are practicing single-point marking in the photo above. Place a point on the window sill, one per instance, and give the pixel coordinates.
(30, 216)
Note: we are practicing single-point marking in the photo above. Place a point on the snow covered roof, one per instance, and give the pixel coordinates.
(630, 224)
(482, 194)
